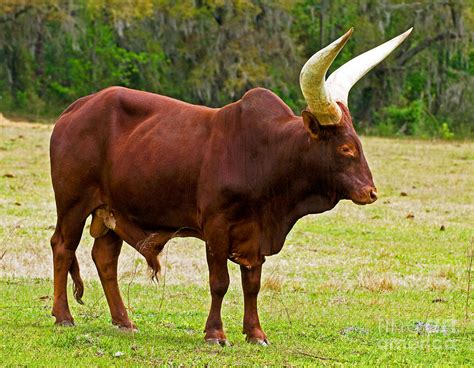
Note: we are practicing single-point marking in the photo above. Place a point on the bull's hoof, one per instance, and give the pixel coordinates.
(65, 323)
(221, 342)
(126, 327)
(257, 341)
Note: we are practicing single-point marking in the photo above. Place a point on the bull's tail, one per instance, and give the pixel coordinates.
(154, 264)
(78, 288)
(150, 248)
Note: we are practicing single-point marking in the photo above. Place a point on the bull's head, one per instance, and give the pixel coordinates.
(329, 122)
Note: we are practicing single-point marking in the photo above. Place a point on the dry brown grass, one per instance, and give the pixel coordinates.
(447, 272)
(273, 282)
(439, 284)
(375, 282)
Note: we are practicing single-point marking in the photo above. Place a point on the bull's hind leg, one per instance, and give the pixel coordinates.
(105, 253)
(64, 244)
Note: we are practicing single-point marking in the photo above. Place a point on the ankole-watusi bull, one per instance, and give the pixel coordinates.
(149, 168)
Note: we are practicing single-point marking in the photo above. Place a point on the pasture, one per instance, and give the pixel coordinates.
(384, 284)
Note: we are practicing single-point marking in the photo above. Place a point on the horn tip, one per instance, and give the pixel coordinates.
(342, 41)
(348, 33)
(407, 32)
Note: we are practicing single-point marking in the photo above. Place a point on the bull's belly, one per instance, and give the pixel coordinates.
(153, 197)
(156, 209)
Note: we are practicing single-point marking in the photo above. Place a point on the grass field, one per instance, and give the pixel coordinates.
(384, 284)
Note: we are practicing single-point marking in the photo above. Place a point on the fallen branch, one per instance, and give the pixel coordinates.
(163, 288)
(132, 279)
(318, 356)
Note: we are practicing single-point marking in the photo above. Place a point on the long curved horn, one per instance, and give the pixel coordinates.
(341, 81)
(312, 82)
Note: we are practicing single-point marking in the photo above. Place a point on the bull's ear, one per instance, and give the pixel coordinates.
(311, 124)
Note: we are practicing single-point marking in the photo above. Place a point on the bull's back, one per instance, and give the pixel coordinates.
(142, 151)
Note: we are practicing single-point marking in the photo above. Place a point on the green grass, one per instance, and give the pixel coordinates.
(349, 287)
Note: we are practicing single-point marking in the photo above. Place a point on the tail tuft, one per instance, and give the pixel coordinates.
(150, 248)
(78, 288)
(154, 264)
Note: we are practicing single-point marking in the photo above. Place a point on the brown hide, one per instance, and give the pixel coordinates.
(151, 168)
(165, 166)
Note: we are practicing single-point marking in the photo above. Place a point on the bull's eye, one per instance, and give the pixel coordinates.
(346, 150)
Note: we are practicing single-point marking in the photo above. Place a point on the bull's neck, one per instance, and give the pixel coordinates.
(300, 185)
(307, 175)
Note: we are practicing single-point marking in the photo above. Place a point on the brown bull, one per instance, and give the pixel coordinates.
(149, 168)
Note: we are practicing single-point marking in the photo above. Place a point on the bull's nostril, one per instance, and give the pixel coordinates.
(373, 195)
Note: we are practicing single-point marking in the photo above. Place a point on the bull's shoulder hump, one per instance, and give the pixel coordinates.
(263, 100)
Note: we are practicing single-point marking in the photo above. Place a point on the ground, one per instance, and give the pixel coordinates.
(384, 284)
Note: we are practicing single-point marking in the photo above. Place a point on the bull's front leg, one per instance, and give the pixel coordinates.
(219, 283)
(251, 287)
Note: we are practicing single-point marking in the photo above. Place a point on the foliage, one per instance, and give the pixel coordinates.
(413, 120)
(445, 131)
(211, 51)
(410, 120)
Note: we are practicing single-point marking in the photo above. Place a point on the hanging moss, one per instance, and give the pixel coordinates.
(211, 51)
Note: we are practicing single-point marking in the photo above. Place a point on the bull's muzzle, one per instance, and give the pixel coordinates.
(367, 195)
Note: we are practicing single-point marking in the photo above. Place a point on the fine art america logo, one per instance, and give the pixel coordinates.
(426, 335)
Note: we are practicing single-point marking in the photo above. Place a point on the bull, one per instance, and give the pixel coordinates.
(149, 168)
